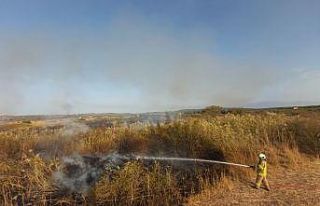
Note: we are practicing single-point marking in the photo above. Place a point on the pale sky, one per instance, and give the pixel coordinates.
(79, 56)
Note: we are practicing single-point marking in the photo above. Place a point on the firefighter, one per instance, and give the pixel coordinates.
(261, 169)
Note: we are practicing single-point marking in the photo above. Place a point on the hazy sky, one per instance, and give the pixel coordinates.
(79, 56)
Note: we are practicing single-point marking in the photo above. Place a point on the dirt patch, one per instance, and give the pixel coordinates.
(288, 187)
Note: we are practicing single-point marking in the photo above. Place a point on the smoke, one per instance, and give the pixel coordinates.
(71, 128)
(298, 86)
(66, 137)
(80, 173)
(130, 65)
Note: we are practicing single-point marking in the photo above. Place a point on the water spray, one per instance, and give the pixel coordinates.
(79, 173)
(194, 160)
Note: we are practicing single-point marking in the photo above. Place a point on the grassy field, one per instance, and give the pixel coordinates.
(31, 151)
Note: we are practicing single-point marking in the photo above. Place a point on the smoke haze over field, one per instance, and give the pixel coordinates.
(79, 57)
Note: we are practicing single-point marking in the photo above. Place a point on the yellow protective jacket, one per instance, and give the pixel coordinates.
(262, 168)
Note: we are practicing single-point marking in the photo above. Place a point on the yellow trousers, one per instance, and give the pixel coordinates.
(260, 179)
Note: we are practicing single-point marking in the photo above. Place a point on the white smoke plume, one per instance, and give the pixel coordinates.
(79, 173)
(72, 128)
(66, 136)
(131, 66)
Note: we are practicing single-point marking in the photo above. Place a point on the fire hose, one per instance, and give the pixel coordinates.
(195, 160)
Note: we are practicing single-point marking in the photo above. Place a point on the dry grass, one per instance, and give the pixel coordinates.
(289, 186)
(30, 155)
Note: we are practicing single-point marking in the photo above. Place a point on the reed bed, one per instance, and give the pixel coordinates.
(29, 157)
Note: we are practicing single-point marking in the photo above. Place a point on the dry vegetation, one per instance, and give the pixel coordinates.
(29, 156)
